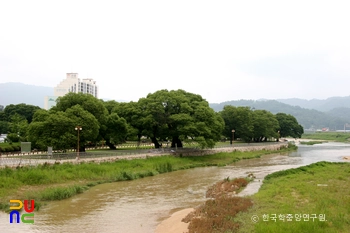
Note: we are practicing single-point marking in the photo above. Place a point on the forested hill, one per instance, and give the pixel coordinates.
(308, 118)
(317, 104)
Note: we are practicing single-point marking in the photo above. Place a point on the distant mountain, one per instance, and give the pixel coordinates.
(16, 93)
(308, 118)
(317, 104)
(340, 112)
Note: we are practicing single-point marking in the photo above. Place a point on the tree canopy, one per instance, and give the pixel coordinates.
(239, 119)
(289, 126)
(258, 125)
(177, 116)
(265, 125)
(56, 127)
(25, 110)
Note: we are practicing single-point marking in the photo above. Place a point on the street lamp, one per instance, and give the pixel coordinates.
(233, 136)
(78, 128)
(279, 135)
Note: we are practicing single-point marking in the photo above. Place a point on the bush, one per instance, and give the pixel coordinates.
(13, 137)
(217, 215)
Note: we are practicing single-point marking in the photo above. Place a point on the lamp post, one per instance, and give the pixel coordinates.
(279, 135)
(78, 128)
(233, 136)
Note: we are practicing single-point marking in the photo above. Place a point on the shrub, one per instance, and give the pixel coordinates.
(217, 215)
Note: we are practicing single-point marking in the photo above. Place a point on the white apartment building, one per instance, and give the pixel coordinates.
(71, 84)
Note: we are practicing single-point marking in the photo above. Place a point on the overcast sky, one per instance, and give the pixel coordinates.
(222, 50)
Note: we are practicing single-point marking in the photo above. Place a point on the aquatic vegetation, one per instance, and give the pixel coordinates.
(310, 143)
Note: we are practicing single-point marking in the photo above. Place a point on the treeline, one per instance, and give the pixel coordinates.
(172, 116)
(249, 124)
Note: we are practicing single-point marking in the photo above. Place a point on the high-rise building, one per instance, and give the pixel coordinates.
(71, 84)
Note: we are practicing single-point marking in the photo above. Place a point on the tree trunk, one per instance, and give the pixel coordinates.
(81, 148)
(111, 146)
(176, 142)
(155, 142)
(138, 140)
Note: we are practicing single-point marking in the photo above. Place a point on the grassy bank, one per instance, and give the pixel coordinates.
(54, 182)
(297, 195)
(329, 136)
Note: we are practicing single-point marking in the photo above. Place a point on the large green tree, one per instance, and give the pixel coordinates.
(17, 128)
(57, 128)
(133, 114)
(88, 123)
(265, 125)
(87, 102)
(25, 110)
(239, 119)
(111, 127)
(4, 127)
(178, 115)
(3, 116)
(116, 130)
(289, 126)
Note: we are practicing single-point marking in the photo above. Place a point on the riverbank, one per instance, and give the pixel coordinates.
(59, 181)
(313, 198)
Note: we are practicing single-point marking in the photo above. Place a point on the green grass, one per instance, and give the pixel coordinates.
(310, 143)
(320, 188)
(59, 193)
(54, 182)
(331, 136)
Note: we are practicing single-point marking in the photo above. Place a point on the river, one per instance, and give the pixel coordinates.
(139, 205)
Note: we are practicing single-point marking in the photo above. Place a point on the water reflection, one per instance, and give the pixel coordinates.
(139, 205)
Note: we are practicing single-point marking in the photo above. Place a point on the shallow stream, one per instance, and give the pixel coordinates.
(139, 205)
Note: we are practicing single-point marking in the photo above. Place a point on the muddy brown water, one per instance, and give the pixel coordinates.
(139, 205)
